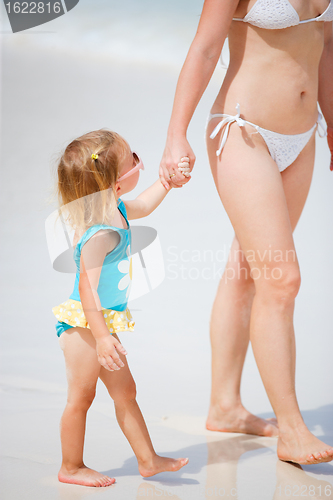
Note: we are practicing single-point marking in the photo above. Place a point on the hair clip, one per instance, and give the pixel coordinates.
(94, 157)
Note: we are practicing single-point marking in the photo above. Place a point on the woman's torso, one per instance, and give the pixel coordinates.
(273, 73)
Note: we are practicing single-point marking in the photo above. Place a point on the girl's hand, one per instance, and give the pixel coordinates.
(330, 144)
(106, 348)
(178, 157)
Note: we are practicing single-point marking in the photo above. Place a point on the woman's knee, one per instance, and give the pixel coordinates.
(280, 283)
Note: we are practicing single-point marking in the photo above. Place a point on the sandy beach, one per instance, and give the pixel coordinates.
(54, 89)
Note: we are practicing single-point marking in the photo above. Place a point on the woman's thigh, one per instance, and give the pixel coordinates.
(296, 180)
(263, 205)
(82, 366)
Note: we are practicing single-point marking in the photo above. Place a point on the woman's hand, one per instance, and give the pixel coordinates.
(330, 144)
(107, 355)
(177, 161)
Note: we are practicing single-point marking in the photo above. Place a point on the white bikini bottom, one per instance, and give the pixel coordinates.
(284, 149)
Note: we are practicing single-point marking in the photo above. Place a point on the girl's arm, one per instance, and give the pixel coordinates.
(92, 258)
(325, 94)
(146, 202)
(195, 75)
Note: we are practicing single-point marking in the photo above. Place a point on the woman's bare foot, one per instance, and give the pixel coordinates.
(302, 447)
(161, 464)
(238, 419)
(85, 476)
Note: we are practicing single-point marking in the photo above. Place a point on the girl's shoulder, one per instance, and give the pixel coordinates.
(81, 240)
(87, 235)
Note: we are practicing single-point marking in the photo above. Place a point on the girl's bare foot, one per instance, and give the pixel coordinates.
(161, 464)
(85, 476)
(238, 419)
(302, 447)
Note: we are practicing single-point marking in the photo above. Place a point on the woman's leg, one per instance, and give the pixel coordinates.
(78, 344)
(252, 191)
(122, 389)
(230, 317)
(230, 335)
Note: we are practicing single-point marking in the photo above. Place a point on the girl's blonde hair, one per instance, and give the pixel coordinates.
(87, 174)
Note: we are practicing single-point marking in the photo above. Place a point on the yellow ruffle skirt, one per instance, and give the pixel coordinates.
(71, 313)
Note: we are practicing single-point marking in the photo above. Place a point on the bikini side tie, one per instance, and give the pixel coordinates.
(227, 120)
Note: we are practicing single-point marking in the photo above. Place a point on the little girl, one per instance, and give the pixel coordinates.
(94, 171)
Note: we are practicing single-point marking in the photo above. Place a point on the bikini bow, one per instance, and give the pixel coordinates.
(228, 120)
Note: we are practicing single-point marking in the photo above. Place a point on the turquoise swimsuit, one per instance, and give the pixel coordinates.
(113, 287)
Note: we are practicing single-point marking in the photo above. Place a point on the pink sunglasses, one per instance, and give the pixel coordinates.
(138, 166)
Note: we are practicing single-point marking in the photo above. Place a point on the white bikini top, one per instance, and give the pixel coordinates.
(279, 14)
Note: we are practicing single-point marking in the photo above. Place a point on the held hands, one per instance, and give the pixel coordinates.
(107, 355)
(175, 167)
(330, 144)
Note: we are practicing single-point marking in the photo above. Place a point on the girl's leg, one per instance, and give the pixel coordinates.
(252, 191)
(121, 387)
(78, 344)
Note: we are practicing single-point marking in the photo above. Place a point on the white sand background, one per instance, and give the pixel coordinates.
(77, 74)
